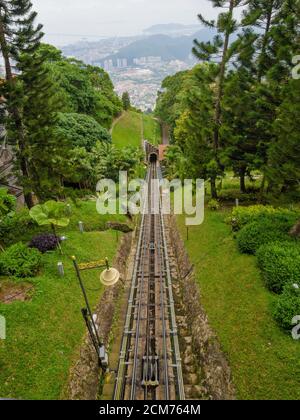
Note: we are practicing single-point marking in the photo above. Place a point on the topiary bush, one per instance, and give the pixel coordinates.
(213, 205)
(256, 234)
(280, 264)
(241, 216)
(44, 242)
(20, 261)
(287, 307)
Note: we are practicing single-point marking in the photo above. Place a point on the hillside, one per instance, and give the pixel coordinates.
(164, 46)
(132, 127)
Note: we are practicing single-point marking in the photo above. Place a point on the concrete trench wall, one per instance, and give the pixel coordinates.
(206, 370)
(85, 376)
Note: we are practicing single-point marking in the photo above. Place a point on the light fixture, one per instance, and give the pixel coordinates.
(109, 277)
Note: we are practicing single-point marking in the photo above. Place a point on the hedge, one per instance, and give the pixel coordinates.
(241, 216)
(280, 264)
(287, 307)
(254, 235)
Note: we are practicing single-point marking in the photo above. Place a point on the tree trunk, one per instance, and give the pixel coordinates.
(243, 188)
(262, 188)
(214, 193)
(15, 113)
(264, 43)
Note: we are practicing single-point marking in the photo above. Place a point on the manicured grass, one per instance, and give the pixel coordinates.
(44, 335)
(152, 130)
(128, 130)
(265, 361)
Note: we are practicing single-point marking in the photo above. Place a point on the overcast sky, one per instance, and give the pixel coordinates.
(66, 21)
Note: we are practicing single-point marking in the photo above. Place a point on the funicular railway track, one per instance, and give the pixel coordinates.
(150, 364)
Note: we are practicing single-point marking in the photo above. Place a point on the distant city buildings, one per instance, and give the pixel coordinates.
(108, 65)
(146, 60)
(122, 63)
(143, 80)
(141, 77)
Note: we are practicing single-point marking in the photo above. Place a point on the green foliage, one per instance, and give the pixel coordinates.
(80, 169)
(213, 205)
(126, 101)
(20, 261)
(284, 154)
(168, 103)
(86, 90)
(241, 216)
(110, 160)
(7, 202)
(15, 226)
(280, 264)
(239, 108)
(264, 231)
(81, 130)
(287, 307)
(50, 213)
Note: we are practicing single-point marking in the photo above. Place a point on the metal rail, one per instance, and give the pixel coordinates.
(150, 364)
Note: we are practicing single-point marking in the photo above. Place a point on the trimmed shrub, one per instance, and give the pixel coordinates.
(280, 264)
(241, 216)
(287, 307)
(20, 261)
(213, 205)
(44, 242)
(256, 234)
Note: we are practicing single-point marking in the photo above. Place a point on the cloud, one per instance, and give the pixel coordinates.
(73, 18)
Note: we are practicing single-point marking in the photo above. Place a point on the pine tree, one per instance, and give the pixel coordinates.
(45, 148)
(226, 25)
(194, 131)
(126, 101)
(284, 154)
(239, 134)
(18, 35)
(277, 43)
(31, 101)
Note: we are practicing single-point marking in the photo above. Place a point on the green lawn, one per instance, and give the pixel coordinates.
(44, 335)
(152, 130)
(265, 361)
(128, 130)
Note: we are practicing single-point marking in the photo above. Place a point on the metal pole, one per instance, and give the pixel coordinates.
(86, 299)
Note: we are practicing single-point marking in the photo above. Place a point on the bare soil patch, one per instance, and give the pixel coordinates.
(11, 292)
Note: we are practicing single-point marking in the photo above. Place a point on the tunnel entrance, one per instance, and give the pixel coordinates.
(153, 158)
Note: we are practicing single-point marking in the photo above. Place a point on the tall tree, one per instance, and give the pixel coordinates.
(277, 42)
(18, 35)
(226, 25)
(126, 101)
(45, 149)
(194, 131)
